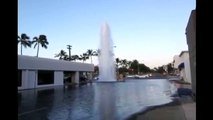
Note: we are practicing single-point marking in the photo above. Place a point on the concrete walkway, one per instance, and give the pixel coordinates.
(189, 107)
(183, 108)
(190, 111)
(188, 104)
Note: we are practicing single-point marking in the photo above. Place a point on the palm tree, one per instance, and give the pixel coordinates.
(96, 53)
(117, 60)
(91, 53)
(62, 55)
(24, 40)
(66, 57)
(170, 68)
(83, 57)
(74, 57)
(42, 39)
(117, 64)
(124, 63)
(129, 64)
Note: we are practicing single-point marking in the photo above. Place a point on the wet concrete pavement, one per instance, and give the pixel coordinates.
(183, 108)
(97, 101)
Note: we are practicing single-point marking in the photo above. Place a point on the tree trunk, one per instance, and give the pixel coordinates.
(38, 50)
(21, 49)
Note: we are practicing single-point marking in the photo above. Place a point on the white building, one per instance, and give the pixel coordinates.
(36, 72)
(182, 63)
(177, 61)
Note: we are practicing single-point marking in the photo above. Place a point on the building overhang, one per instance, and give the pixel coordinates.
(182, 52)
(181, 66)
(35, 63)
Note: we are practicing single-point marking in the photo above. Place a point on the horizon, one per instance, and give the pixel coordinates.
(152, 32)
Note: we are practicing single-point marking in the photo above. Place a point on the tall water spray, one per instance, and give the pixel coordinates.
(106, 56)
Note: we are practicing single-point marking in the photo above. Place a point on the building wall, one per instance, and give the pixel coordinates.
(191, 41)
(58, 78)
(30, 66)
(183, 73)
(32, 79)
(187, 71)
(29, 79)
(185, 59)
(76, 77)
(177, 61)
(34, 63)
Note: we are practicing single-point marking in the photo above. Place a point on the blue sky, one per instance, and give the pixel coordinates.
(151, 31)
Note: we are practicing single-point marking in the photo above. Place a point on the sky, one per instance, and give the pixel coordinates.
(151, 31)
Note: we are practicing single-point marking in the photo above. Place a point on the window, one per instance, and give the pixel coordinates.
(19, 78)
(45, 77)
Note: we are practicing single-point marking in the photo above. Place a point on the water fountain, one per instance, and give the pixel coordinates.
(106, 56)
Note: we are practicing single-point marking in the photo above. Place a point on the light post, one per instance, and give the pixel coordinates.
(69, 48)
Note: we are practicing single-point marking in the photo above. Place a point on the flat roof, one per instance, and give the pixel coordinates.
(191, 20)
(37, 63)
(182, 52)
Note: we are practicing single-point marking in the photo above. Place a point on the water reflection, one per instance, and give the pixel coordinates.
(106, 101)
(99, 101)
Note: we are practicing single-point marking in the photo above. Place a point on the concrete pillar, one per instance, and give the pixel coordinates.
(32, 79)
(28, 79)
(58, 78)
(24, 79)
(77, 77)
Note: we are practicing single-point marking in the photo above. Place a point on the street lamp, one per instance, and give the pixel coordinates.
(69, 48)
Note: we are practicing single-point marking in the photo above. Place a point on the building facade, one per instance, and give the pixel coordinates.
(36, 72)
(191, 41)
(182, 64)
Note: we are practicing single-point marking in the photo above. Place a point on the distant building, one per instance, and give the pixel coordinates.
(191, 41)
(176, 62)
(182, 64)
(36, 72)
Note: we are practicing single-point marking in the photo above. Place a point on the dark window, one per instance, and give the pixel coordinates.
(45, 77)
(68, 76)
(19, 78)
